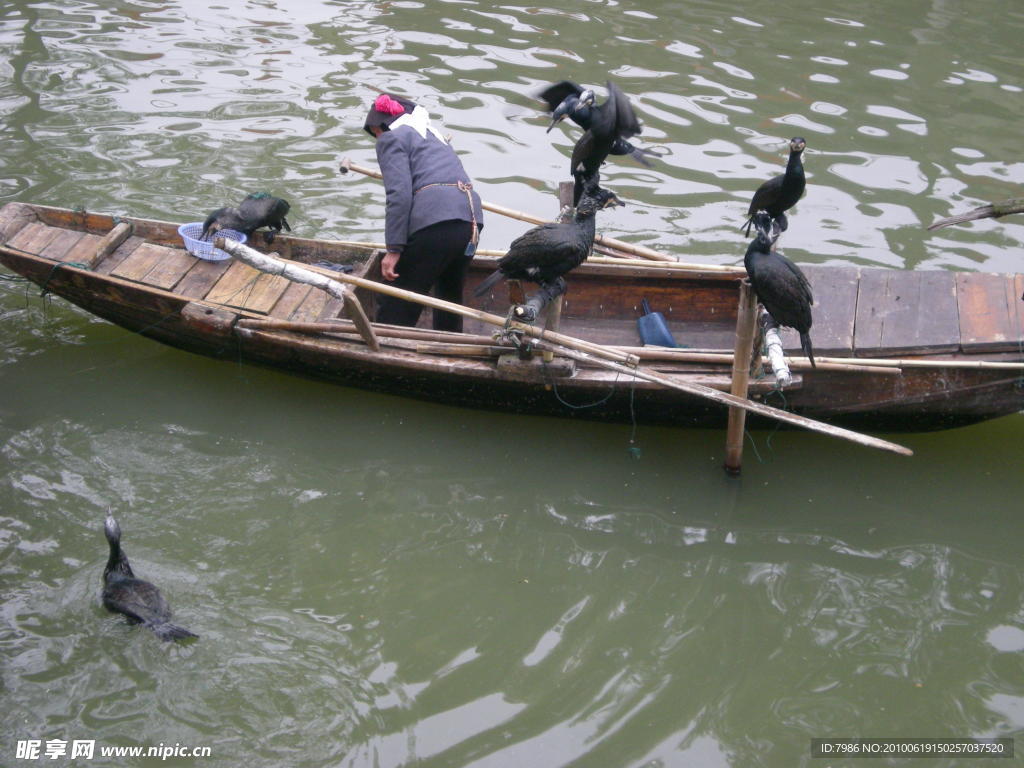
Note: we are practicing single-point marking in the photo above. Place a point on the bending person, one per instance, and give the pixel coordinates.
(433, 217)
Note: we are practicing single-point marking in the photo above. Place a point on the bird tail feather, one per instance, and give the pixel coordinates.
(167, 631)
(805, 342)
(485, 286)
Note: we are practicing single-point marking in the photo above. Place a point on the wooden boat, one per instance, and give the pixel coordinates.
(135, 273)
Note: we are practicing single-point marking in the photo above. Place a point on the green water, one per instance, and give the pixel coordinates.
(380, 582)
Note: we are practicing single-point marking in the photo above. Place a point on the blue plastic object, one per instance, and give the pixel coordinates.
(653, 329)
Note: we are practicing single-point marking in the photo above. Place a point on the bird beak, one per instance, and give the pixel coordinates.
(556, 121)
(614, 202)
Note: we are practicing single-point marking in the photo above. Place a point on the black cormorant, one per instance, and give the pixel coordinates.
(569, 100)
(259, 210)
(139, 600)
(779, 284)
(779, 194)
(546, 252)
(609, 122)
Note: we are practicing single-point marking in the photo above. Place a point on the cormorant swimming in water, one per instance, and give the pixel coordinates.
(546, 252)
(569, 100)
(259, 210)
(609, 122)
(780, 193)
(779, 284)
(139, 600)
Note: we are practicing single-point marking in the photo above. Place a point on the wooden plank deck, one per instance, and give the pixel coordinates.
(889, 312)
(139, 263)
(201, 278)
(59, 247)
(991, 311)
(293, 297)
(310, 308)
(247, 288)
(836, 293)
(33, 237)
(906, 312)
(114, 260)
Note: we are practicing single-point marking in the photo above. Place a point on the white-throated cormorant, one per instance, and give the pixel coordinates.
(566, 99)
(255, 211)
(779, 284)
(609, 122)
(139, 600)
(780, 193)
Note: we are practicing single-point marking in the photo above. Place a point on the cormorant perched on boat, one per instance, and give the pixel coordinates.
(780, 193)
(546, 252)
(259, 210)
(139, 600)
(609, 122)
(569, 100)
(779, 284)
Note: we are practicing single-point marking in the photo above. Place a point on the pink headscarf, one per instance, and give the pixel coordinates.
(385, 110)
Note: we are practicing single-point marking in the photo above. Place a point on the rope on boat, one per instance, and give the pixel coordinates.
(768, 440)
(45, 290)
(634, 449)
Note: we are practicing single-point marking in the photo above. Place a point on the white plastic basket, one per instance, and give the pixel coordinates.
(203, 249)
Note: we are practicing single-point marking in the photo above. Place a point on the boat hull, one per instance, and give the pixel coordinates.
(917, 399)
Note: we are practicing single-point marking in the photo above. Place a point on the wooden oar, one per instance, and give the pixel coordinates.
(619, 245)
(577, 349)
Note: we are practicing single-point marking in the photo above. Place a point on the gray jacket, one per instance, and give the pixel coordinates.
(420, 177)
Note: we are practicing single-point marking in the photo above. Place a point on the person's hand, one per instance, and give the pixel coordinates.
(388, 264)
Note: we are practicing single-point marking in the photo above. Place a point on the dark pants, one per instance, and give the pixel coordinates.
(434, 257)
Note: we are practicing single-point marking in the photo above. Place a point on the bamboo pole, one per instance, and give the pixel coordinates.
(872, 364)
(726, 358)
(274, 266)
(618, 245)
(567, 346)
(746, 319)
(725, 398)
(643, 353)
(617, 261)
(346, 326)
(553, 320)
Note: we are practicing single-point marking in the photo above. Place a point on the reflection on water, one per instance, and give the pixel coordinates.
(378, 582)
